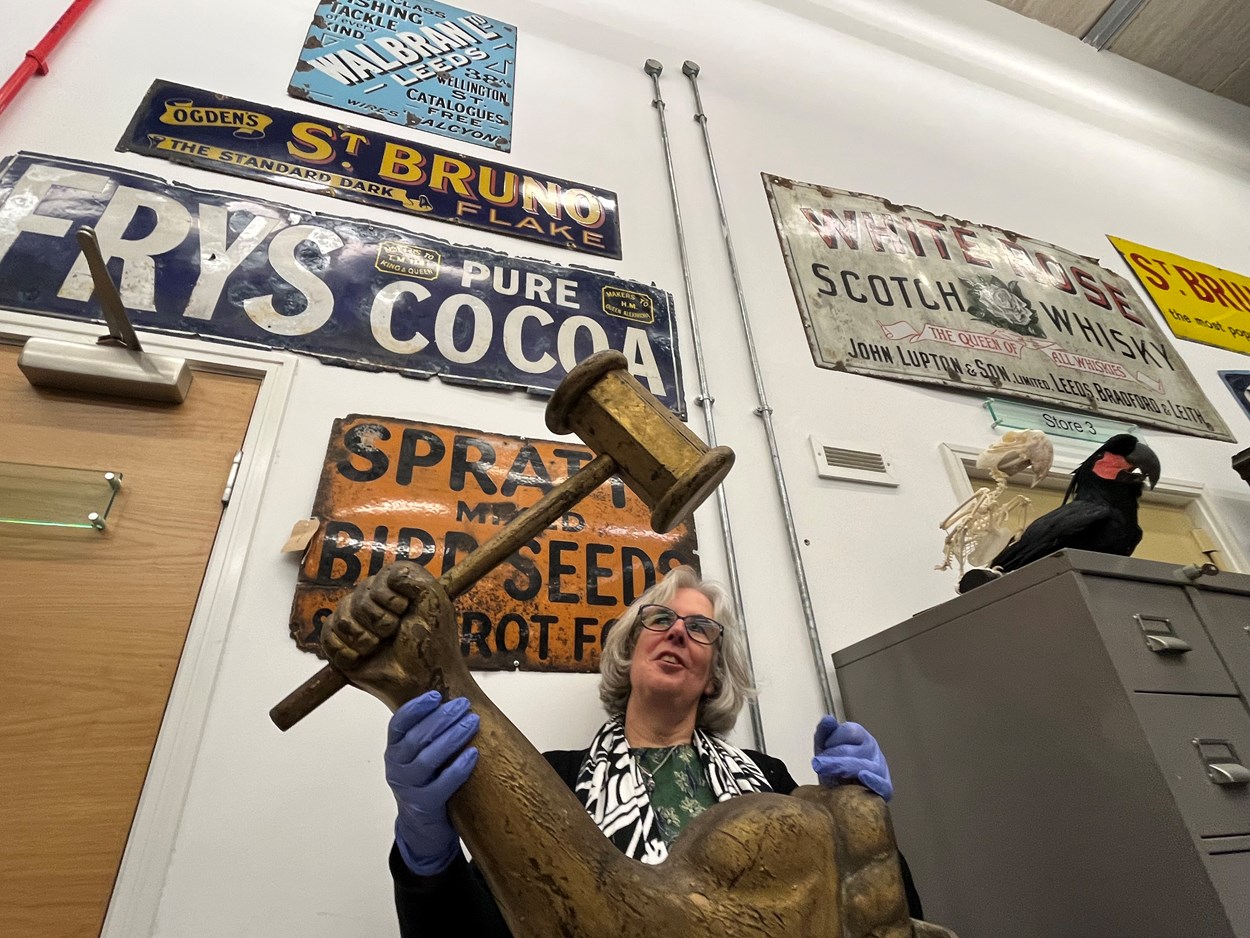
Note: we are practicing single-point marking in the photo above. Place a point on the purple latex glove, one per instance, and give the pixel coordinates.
(846, 752)
(424, 734)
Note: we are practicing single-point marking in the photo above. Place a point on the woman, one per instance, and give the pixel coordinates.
(673, 678)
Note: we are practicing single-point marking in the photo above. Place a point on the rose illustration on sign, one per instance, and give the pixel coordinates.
(1001, 304)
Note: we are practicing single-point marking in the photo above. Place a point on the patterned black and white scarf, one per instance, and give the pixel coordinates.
(611, 786)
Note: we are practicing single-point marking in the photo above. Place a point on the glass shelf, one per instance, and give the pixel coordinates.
(56, 496)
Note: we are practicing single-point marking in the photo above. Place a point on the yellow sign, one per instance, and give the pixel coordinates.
(397, 489)
(1199, 302)
(184, 113)
(335, 181)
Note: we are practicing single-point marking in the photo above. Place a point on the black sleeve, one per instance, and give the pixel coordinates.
(914, 908)
(775, 772)
(454, 902)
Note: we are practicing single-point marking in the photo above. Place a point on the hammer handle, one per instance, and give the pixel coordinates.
(307, 697)
(325, 683)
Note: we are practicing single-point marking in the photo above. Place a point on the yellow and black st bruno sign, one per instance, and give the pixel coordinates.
(396, 489)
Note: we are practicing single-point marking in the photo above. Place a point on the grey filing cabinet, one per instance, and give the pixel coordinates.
(1069, 747)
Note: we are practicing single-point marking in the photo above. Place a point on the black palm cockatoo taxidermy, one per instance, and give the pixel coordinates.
(1099, 511)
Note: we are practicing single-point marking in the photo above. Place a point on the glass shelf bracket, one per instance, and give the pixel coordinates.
(57, 496)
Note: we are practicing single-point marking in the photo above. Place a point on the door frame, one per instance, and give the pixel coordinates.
(960, 460)
(140, 881)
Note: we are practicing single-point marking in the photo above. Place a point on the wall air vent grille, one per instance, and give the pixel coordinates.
(851, 464)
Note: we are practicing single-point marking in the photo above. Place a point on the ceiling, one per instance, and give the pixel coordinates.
(1204, 43)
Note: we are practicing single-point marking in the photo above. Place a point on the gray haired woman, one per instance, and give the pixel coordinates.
(674, 677)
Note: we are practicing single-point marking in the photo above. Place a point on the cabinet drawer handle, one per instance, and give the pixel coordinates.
(1228, 773)
(1167, 645)
(1159, 635)
(1222, 762)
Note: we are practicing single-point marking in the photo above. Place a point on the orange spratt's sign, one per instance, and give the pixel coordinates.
(400, 490)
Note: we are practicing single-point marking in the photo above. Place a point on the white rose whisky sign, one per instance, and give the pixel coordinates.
(897, 292)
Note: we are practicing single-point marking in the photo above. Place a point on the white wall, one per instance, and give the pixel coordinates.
(1010, 124)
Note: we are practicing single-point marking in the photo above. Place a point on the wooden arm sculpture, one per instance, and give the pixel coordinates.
(822, 864)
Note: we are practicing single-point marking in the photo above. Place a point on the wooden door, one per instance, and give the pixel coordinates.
(94, 626)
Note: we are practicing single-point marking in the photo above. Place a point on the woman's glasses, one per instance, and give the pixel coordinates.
(703, 630)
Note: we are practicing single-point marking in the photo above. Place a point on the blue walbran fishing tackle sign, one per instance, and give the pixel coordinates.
(250, 272)
(227, 135)
(426, 65)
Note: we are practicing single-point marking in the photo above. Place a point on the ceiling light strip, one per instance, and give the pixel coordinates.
(1112, 22)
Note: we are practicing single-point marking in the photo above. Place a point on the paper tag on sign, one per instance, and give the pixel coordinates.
(301, 535)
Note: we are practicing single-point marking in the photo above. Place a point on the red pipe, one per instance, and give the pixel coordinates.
(36, 61)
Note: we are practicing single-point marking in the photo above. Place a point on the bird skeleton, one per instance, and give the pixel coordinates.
(985, 523)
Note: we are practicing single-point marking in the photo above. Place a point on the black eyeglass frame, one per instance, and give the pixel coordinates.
(686, 620)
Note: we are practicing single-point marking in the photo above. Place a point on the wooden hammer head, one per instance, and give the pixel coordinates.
(670, 468)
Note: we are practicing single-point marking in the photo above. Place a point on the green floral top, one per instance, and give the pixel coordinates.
(678, 786)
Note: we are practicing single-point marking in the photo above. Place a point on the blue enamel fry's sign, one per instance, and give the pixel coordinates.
(251, 272)
(242, 138)
(430, 66)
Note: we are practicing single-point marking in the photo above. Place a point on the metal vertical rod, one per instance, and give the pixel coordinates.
(705, 399)
(765, 412)
(1114, 20)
